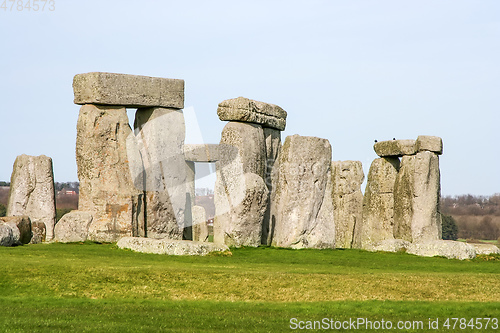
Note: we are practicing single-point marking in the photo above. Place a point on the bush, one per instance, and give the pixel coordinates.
(450, 229)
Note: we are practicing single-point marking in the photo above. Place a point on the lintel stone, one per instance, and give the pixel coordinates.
(250, 111)
(201, 152)
(429, 143)
(395, 148)
(128, 90)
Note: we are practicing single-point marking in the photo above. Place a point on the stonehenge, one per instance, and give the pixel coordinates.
(137, 185)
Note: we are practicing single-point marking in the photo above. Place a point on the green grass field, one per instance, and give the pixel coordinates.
(95, 287)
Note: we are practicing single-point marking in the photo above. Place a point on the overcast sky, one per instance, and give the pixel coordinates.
(349, 71)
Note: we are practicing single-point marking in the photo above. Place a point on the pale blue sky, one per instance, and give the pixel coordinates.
(349, 71)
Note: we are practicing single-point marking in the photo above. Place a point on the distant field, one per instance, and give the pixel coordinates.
(89, 287)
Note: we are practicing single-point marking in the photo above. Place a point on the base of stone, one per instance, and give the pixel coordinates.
(486, 249)
(169, 246)
(389, 245)
(444, 248)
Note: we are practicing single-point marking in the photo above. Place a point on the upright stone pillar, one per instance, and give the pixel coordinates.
(160, 133)
(347, 177)
(32, 193)
(106, 187)
(304, 172)
(378, 203)
(272, 139)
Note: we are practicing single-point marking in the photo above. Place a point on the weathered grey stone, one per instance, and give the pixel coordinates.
(238, 195)
(426, 220)
(347, 177)
(201, 152)
(303, 176)
(429, 143)
(160, 133)
(200, 228)
(247, 110)
(106, 186)
(6, 235)
(395, 148)
(128, 90)
(38, 232)
(169, 246)
(322, 231)
(21, 228)
(486, 249)
(272, 139)
(190, 200)
(240, 211)
(378, 203)
(445, 248)
(389, 245)
(73, 227)
(404, 189)
(32, 191)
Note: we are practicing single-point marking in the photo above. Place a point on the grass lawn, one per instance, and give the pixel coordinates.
(95, 287)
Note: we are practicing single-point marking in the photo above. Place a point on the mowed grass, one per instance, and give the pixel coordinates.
(96, 287)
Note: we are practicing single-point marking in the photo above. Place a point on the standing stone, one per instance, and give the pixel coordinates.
(73, 227)
(272, 139)
(347, 178)
(303, 176)
(160, 133)
(404, 189)
(32, 191)
(240, 190)
(200, 228)
(378, 203)
(426, 221)
(21, 228)
(190, 200)
(106, 186)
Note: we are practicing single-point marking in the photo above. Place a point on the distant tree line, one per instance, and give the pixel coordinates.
(477, 217)
(4, 183)
(67, 185)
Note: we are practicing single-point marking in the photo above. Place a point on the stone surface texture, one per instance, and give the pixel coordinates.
(426, 220)
(486, 249)
(347, 177)
(429, 143)
(395, 148)
(200, 228)
(250, 111)
(240, 190)
(304, 164)
(445, 248)
(272, 139)
(169, 247)
(378, 203)
(32, 191)
(201, 152)
(6, 235)
(106, 186)
(73, 227)
(38, 232)
(21, 228)
(128, 90)
(160, 134)
(404, 189)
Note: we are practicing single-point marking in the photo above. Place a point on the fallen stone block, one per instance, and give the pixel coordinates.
(247, 110)
(6, 235)
(201, 152)
(429, 143)
(73, 227)
(21, 228)
(169, 246)
(444, 248)
(395, 148)
(128, 90)
(486, 249)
